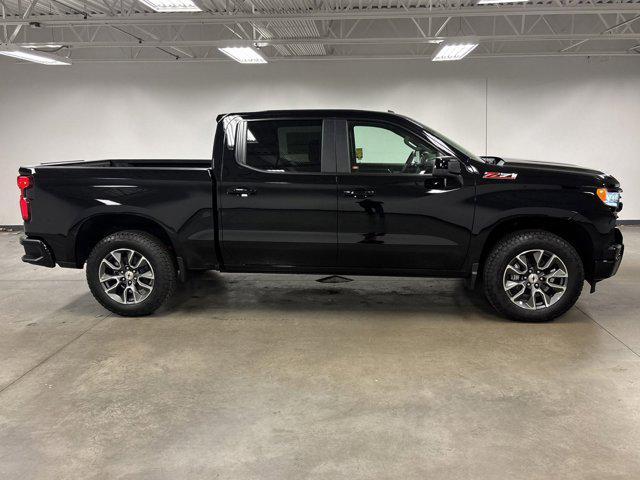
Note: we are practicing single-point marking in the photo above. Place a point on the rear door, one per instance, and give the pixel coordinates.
(278, 195)
(393, 214)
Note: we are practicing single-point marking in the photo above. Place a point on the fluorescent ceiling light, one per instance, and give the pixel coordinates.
(243, 54)
(172, 5)
(43, 45)
(454, 51)
(32, 56)
(489, 2)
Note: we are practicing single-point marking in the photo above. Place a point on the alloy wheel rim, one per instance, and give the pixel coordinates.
(126, 276)
(535, 279)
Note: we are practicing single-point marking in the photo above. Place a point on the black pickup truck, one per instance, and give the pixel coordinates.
(327, 192)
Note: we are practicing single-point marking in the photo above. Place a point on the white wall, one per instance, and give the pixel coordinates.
(578, 111)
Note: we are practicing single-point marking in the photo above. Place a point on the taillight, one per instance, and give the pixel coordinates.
(24, 209)
(24, 182)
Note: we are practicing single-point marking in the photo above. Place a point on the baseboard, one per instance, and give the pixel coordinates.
(628, 222)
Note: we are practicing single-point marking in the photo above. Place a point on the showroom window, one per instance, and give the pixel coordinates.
(284, 145)
(377, 148)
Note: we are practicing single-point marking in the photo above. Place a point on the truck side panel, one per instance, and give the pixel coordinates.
(178, 200)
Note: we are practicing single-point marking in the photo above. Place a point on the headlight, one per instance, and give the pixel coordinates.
(612, 199)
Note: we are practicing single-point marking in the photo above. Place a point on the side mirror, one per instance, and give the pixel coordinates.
(447, 167)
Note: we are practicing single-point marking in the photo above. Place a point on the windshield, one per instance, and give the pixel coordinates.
(431, 132)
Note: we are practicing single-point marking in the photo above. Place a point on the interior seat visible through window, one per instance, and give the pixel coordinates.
(284, 145)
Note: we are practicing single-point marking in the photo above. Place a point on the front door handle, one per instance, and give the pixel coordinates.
(359, 193)
(241, 191)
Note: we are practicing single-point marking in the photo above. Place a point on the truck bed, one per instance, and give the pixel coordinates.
(131, 163)
(69, 199)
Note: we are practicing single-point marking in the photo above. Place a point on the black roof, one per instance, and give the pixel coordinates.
(335, 113)
(338, 113)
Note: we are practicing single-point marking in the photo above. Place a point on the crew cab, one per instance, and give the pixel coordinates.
(327, 192)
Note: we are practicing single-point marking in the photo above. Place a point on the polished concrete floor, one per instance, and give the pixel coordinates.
(281, 377)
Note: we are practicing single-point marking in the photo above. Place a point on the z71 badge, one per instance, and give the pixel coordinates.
(500, 176)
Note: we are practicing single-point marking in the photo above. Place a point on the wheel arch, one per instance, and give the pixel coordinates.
(95, 228)
(570, 230)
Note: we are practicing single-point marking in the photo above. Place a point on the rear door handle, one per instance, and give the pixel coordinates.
(359, 193)
(241, 191)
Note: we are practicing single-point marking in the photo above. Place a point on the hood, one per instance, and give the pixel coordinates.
(542, 166)
(595, 177)
(549, 166)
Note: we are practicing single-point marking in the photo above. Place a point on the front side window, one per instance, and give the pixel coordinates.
(388, 149)
(284, 145)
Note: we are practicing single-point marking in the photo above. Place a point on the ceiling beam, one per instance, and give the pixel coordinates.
(626, 22)
(351, 14)
(26, 15)
(332, 41)
(367, 57)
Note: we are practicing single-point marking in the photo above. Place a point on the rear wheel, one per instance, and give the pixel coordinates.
(533, 275)
(131, 273)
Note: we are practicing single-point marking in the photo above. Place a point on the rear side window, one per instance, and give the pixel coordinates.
(284, 145)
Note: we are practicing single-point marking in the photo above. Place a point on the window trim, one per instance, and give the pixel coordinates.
(327, 152)
(344, 139)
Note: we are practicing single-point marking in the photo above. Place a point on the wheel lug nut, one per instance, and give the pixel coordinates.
(537, 285)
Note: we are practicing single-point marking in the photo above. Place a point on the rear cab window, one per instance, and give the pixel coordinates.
(283, 145)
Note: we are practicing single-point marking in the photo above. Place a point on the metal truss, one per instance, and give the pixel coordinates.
(290, 30)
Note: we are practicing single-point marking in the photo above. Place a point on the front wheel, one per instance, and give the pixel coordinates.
(533, 275)
(131, 273)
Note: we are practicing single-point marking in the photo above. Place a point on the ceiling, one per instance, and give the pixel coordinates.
(293, 30)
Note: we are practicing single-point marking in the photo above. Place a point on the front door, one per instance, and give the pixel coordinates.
(278, 196)
(393, 214)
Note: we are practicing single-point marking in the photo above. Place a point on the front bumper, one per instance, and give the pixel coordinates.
(37, 252)
(611, 259)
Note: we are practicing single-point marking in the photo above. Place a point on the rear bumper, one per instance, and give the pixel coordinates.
(611, 259)
(37, 252)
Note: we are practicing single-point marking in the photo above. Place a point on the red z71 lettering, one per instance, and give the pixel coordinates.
(500, 176)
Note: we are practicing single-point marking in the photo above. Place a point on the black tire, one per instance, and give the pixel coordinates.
(514, 244)
(157, 255)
